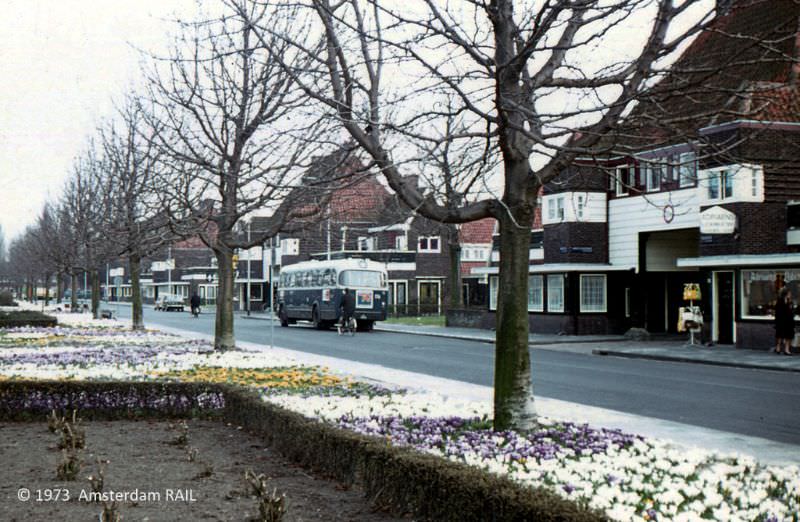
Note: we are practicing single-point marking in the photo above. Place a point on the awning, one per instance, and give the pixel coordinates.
(743, 260)
(558, 267)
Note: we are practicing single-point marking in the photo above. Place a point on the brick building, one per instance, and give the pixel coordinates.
(720, 207)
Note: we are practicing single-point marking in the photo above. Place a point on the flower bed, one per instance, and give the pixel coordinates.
(626, 476)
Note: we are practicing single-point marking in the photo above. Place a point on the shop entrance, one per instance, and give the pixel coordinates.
(723, 307)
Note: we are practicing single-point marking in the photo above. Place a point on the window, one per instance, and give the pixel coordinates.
(555, 208)
(593, 293)
(255, 292)
(428, 244)
(366, 243)
(623, 180)
(754, 183)
(720, 185)
(493, 282)
(361, 278)
(687, 170)
(555, 293)
(535, 293)
(401, 242)
(759, 291)
(627, 302)
(653, 174)
(580, 206)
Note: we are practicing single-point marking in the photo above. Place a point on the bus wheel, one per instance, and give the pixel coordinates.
(283, 318)
(365, 326)
(318, 324)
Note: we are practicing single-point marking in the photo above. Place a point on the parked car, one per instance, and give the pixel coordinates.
(166, 303)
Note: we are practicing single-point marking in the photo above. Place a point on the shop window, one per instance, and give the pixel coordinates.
(593, 293)
(555, 293)
(535, 293)
(760, 291)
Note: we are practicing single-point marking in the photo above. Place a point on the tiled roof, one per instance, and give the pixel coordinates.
(467, 266)
(362, 199)
(714, 79)
(479, 231)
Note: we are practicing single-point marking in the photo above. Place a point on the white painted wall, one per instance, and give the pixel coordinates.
(628, 216)
(594, 210)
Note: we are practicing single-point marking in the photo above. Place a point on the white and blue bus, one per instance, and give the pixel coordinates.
(313, 290)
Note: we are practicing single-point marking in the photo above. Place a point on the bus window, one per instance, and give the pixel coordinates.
(362, 278)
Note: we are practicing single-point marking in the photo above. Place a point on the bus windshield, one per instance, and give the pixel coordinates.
(361, 278)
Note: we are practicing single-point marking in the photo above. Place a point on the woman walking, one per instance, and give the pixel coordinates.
(784, 322)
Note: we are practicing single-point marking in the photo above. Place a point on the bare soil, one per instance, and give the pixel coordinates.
(160, 480)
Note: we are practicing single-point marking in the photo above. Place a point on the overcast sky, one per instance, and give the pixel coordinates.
(61, 64)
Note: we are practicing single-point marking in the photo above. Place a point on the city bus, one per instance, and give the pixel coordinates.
(313, 290)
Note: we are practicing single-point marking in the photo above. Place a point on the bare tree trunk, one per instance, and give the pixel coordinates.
(454, 279)
(223, 332)
(47, 289)
(73, 302)
(137, 315)
(513, 391)
(94, 277)
(59, 287)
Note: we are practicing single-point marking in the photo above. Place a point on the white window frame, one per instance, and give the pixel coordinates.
(580, 206)
(427, 249)
(687, 170)
(594, 308)
(552, 304)
(532, 307)
(623, 180)
(401, 242)
(653, 172)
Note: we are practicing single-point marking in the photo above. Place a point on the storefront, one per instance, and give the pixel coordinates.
(743, 294)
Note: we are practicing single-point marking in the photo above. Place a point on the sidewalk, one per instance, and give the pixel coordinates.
(619, 346)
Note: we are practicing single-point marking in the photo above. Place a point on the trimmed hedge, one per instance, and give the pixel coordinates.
(26, 318)
(97, 400)
(400, 480)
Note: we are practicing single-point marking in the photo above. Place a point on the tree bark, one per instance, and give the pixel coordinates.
(223, 331)
(59, 287)
(513, 391)
(454, 252)
(95, 282)
(137, 315)
(47, 289)
(73, 301)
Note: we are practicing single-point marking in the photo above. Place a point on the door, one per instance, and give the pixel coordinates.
(398, 292)
(429, 297)
(723, 307)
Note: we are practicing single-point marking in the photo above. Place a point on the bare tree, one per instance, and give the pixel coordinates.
(234, 132)
(543, 82)
(135, 226)
(83, 210)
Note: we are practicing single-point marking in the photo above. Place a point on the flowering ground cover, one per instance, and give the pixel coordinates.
(627, 476)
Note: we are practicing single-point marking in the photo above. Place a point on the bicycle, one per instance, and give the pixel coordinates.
(349, 328)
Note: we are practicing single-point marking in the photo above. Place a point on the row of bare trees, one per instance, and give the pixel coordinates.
(486, 100)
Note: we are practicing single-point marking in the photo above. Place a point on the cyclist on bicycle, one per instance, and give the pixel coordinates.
(347, 306)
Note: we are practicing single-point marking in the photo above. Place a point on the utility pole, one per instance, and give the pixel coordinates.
(169, 270)
(248, 268)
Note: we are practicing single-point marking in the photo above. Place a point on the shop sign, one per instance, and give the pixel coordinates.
(717, 220)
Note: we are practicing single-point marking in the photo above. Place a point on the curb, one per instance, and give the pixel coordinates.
(668, 358)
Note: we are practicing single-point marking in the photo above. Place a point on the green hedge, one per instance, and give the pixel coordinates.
(26, 318)
(399, 480)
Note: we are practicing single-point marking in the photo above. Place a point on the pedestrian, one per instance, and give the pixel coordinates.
(784, 322)
(194, 302)
(347, 306)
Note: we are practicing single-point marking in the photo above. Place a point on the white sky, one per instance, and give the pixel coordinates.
(61, 63)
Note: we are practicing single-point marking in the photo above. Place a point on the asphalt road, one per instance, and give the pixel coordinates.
(749, 402)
